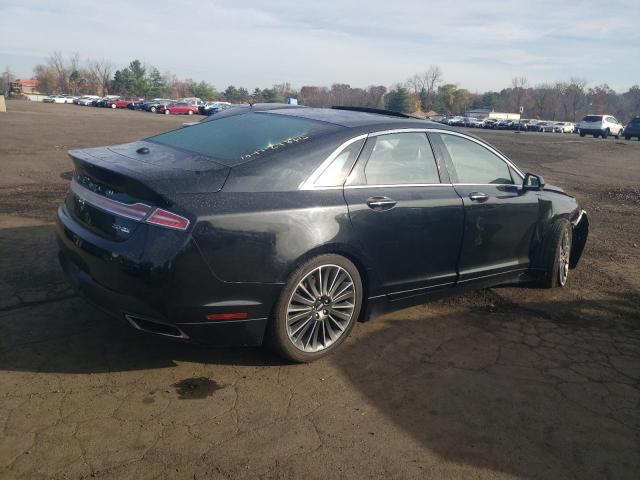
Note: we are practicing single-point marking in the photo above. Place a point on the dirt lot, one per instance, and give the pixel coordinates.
(503, 383)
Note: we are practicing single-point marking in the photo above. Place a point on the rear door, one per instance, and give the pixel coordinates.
(407, 216)
(500, 217)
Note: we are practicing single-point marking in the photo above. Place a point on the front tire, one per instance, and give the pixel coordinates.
(153, 109)
(114, 106)
(557, 254)
(189, 112)
(167, 112)
(605, 134)
(317, 309)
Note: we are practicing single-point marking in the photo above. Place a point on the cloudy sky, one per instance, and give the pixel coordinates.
(478, 44)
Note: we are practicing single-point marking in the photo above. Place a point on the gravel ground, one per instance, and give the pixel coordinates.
(502, 383)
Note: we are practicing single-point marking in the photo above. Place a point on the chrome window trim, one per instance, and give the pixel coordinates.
(399, 185)
(308, 184)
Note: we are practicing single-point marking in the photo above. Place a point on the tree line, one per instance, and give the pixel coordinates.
(423, 92)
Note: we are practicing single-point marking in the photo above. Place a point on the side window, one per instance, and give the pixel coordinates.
(401, 158)
(336, 173)
(474, 163)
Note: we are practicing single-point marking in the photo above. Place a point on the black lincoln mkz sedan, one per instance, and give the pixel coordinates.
(286, 225)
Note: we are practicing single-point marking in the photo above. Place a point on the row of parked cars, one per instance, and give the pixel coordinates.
(596, 125)
(167, 106)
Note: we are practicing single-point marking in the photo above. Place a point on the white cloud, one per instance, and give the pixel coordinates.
(479, 45)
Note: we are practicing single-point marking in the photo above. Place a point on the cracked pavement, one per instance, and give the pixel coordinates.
(510, 382)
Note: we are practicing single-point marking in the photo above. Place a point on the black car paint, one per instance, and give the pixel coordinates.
(252, 225)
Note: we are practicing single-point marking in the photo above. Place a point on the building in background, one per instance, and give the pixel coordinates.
(25, 88)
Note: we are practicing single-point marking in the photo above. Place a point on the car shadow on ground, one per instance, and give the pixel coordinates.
(515, 390)
(548, 389)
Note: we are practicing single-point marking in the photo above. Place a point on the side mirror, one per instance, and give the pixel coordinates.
(533, 182)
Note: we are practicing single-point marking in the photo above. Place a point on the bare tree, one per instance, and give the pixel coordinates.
(519, 84)
(574, 97)
(101, 71)
(433, 80)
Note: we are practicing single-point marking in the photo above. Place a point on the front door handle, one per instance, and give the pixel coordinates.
(478, 196)
(381, 203)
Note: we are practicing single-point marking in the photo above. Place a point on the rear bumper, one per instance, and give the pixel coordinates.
(174, 305)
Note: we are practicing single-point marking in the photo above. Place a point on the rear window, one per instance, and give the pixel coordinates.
(240, 138)
(592, 118)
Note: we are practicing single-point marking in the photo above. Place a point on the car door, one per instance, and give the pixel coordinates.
(500, 216)
(408, 222)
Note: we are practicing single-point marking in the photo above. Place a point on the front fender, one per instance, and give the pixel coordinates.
(580, 233)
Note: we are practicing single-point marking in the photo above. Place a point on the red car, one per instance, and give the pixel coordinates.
(179, 108)
(121, 102)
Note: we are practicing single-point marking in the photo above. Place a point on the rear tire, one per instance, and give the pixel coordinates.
(153, 109)
(329, 289)
(167, 112)
(189, 112)
(556, 254)
(114, 106)
(581, 134)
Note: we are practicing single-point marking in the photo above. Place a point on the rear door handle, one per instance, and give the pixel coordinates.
(381, 203)
(478, 196)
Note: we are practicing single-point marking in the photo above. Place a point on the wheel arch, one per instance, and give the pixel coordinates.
(579, 238)
(367, 276)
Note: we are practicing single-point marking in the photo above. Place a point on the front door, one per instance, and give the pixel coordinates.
(407, 221)
(500, 217)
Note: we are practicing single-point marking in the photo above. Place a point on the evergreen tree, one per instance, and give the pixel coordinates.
(399, 100)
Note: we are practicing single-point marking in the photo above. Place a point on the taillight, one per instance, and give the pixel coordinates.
(167, 219)
(139, 212)
(133, 211)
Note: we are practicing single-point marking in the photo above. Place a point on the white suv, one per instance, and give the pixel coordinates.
(600, 126)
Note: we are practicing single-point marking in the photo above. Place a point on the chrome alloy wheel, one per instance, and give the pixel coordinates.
(563, 260)
(320, 308)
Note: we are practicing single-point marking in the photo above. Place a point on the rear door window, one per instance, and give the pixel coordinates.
(400, 159)
(239, 138)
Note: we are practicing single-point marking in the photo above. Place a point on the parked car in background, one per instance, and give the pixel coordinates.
(55, 99)
(179, 108)
(632, 129)
(439, 118)
(563, 127)
(209, 108)
(121, 102)
(105, 100)
(87, 100)
(135, 104)
(457, 121)
(490, 123)
(600, 126)
(505, 125)
(544, 126)
(473, 122)
(153, 104)
(532, 125)
(289, 224)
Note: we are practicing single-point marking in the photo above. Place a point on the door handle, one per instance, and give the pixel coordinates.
(478, 196)
(381, 203)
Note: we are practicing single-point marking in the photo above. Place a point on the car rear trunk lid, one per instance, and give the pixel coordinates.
(113, 187)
